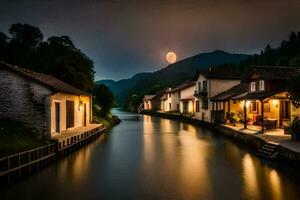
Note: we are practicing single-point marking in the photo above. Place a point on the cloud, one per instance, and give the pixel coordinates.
(126, 37)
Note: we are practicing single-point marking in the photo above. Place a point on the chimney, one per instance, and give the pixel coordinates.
(210, 68)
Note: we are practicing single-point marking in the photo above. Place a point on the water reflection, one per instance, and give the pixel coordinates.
(76, 165)
(250, 178)
(194, 176)
(152, 158)
(275, 184)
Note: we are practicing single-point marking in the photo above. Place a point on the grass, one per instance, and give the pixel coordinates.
(15, 138)
(109, 121)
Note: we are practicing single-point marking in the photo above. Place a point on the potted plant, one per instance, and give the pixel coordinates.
(230, 118)
(294, 129)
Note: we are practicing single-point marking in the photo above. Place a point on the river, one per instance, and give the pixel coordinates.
(151, 158)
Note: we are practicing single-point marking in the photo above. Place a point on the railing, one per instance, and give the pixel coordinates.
(18, 161)
(71, 141)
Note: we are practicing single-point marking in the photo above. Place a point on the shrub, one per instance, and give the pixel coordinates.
(294, 129)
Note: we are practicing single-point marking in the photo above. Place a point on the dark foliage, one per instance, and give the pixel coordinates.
(104, 98)
(57, 56)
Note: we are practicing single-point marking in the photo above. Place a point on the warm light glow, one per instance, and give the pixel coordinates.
(242, 103)
(171, 57)
(250, 177)
(247, 103)
(275, 102)
(275, 184)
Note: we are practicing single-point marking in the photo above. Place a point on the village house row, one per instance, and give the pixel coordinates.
(222, 95)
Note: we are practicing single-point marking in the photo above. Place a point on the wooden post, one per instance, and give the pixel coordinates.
(224, 117)
(262, 116)
(229, 105)
(213, 114)
(245, 115)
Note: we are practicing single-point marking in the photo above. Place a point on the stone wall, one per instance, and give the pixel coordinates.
(251, 141)
(23, 100)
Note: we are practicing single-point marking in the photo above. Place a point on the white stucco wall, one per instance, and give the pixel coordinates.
(214, 87)
(167, 102)
(78, 110)
(187, 92)
(175, 101)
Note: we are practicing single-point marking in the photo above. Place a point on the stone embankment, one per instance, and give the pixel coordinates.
(252, 141)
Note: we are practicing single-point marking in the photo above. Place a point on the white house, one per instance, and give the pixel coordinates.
(166, 103)
(41, 101)
(210, 83)
(187, 98)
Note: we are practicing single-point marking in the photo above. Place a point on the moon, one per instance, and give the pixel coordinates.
(171, 57)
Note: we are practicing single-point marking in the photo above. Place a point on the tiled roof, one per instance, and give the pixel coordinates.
(258, 95)
(239, 89)
(148, 97)
(45, 80)
(191, 97)
(274, 72)
(183, 86)
(164, 97)
(221, 72)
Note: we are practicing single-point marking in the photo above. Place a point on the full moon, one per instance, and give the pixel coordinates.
(171, 57)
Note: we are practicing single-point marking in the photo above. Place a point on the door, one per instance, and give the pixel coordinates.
(285, 112)
(185, 107)
(69, 114)
(57, 117)
(84, 114)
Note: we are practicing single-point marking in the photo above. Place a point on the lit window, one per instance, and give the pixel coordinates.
(261, 85)
(252, 87)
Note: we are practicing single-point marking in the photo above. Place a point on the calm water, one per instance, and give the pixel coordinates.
(152, 158)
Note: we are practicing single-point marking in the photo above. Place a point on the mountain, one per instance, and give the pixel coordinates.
(107, 82)
(121, 88)
(171, 75)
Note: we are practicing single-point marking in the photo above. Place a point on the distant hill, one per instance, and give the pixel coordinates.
(171, 75)
(106, 82)
(122, 87)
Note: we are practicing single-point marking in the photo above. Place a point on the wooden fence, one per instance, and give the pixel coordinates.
(24, 162)
(21, 164)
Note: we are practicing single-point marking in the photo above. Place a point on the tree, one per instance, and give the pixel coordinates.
(57, 56)
(60, 58)
(104, 98)
(3, 46)
(294, 89)
(25, 35)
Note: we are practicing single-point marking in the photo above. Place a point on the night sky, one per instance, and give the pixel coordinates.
(127, 37)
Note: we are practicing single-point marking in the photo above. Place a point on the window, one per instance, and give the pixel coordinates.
(177, 106)
(199, 86)
(204, 89)
(254, 107)
(252, 86)
(170, 106)
(204, 102)
(261, 85)
(197, 106)
(70, 114)
(179, 95)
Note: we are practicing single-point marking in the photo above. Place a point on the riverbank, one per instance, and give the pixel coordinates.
(15, 138)
(16, 166)
(284, 151)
